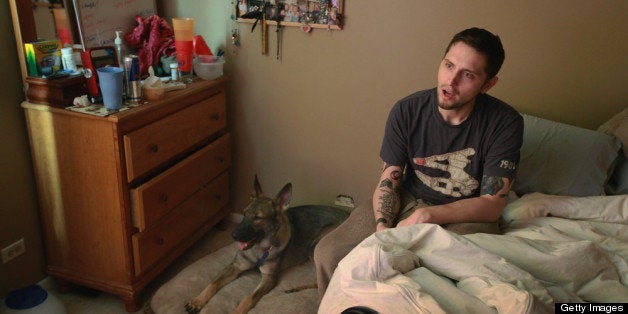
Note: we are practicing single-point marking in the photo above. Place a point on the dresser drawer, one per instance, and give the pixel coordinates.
(155, 198)
(153, 243)
(162, 140)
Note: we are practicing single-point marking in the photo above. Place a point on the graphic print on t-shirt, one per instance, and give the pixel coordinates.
(458, 183)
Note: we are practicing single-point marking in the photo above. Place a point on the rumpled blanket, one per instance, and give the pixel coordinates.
(556, 249)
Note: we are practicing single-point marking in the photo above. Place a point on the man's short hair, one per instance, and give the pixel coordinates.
(485, 43)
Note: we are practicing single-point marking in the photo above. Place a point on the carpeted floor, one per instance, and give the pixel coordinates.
(83, 301)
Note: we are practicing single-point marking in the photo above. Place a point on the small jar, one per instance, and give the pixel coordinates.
(174, 71)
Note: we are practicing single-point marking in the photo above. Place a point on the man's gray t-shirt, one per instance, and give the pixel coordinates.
(446, 162)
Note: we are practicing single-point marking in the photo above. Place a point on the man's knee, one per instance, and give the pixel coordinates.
(322, 250)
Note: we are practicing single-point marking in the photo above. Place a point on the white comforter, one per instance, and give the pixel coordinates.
(556, 249)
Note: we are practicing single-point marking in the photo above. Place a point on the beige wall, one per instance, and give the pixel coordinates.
(316, 116)
(18, 204)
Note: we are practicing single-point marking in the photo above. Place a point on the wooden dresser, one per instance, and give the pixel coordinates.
(122, 196)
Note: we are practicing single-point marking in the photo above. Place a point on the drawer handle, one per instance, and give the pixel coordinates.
(164, 197)
(218, 196)
(160, 241)
(215, 117)
(220, 159)
(154, 148)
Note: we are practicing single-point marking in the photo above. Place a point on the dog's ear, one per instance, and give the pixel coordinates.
(284, 196)
(258, 188)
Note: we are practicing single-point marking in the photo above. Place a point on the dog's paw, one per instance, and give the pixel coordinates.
(193, 307)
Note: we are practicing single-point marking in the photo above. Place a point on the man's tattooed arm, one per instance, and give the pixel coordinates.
(386, 201)
(494, 186)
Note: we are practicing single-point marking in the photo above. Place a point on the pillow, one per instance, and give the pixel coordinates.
(618, 127)
(618, 183)
(562, 159)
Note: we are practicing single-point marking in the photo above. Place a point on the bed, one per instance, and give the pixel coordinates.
(564, 240)
(556, 249)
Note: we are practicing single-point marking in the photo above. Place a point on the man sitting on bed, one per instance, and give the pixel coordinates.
(449, 155)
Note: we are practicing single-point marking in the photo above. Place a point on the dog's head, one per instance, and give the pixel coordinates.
(263, 218)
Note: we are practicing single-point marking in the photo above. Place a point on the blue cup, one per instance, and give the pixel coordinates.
(110, 80)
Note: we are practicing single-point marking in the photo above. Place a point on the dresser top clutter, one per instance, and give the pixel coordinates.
(80, 53)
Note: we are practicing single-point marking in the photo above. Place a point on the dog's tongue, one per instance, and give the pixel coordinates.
(242, 245)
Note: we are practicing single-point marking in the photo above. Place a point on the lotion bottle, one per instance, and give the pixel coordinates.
(120, 52)
(119, 49)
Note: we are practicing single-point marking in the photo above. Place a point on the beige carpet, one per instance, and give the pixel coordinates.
(171, 297)
(84, 301)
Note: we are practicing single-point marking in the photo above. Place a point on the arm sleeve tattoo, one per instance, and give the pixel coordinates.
(389, 198)
(492, 185)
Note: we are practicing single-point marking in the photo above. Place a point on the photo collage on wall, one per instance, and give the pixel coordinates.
(328, 12)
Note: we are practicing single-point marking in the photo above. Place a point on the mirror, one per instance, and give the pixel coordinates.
(48, 20)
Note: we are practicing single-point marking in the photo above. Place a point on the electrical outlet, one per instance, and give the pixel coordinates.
(14, 250)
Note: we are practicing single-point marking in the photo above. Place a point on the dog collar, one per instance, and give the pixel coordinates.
(262, 259)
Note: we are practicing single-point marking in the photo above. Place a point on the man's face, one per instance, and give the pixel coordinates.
(461, 77)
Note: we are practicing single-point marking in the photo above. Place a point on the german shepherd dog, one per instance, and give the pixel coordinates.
(272, 236)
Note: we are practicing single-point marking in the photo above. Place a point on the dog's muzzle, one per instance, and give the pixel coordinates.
(246, 236)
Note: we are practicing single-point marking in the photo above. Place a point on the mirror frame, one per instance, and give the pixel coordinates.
(24, 29)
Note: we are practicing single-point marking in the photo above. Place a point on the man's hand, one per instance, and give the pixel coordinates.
(419, 216)
(484, 208)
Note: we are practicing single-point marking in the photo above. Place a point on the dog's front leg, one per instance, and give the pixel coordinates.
(228, 275)
(267, 283)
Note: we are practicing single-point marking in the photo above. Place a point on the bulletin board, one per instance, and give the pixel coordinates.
(98, 20)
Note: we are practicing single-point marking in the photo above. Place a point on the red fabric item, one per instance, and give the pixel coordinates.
(152, 37)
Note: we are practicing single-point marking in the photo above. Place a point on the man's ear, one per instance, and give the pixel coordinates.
(488, 85)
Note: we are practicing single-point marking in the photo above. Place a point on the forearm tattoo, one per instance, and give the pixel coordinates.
(389, 198)
(492, 186)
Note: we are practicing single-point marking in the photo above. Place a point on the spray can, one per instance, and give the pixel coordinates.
(133, 84)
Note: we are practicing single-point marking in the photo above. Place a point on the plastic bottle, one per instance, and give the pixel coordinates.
(174, 72)
(67, 59)
(120, 51)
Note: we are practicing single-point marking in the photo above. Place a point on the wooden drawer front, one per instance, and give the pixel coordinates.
(158, 142)
(152, 244)
(155, 198)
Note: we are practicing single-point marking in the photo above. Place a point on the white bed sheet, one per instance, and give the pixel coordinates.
(556, 249)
